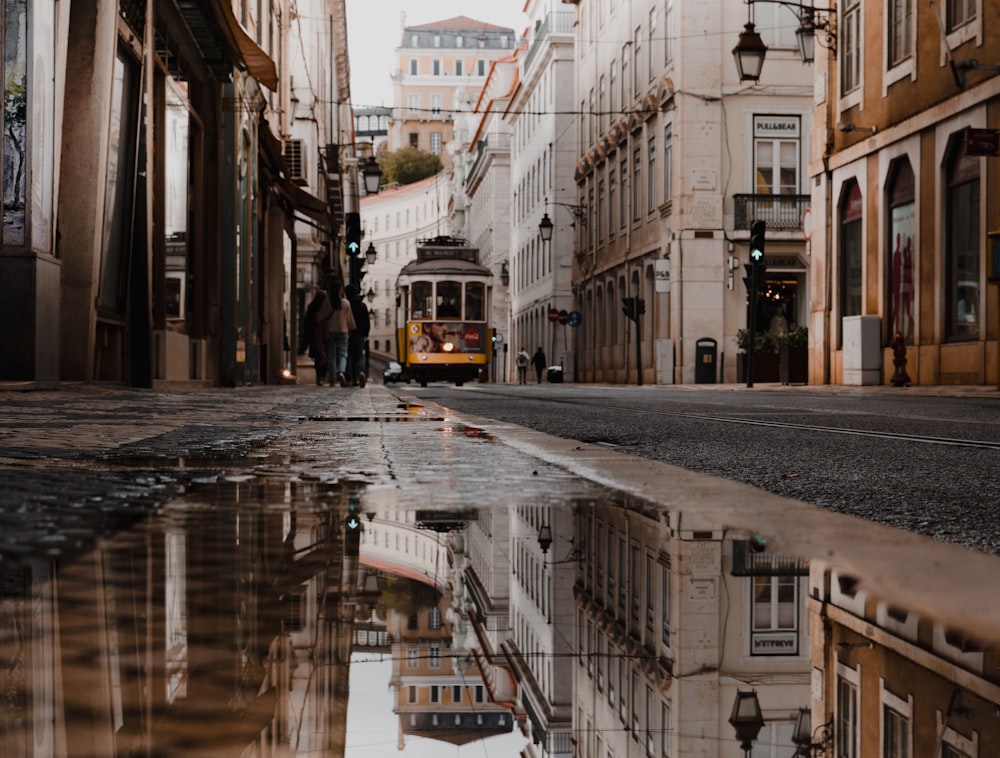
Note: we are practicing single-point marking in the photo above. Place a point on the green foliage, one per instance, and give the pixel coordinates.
(798, 336)
(764, 342)
(411, 164)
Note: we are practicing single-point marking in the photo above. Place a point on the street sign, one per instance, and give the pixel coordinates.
(982, 141)
(574, 318)
(563, 317)
(553, 314)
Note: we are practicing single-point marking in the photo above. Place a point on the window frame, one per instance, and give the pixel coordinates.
(850, 71)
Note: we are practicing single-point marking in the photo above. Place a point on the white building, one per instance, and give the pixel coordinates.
(544, 153)
(394, 221)
(676, 158)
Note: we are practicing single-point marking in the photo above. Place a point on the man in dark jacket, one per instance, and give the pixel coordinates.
(538, 361)
(357, 340)
(313, 337)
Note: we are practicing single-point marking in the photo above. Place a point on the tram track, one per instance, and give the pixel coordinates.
(789, 425)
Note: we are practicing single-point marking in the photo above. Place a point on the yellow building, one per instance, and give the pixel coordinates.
(903, 184)
(441, 67)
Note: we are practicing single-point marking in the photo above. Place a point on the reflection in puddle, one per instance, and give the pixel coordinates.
(275, 617)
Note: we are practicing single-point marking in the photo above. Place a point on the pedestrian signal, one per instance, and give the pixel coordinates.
(757, 230)
(353, 520)
(352, 221)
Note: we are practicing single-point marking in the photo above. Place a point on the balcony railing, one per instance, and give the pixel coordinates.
(494, 142)
(783, 213)
(554, 23)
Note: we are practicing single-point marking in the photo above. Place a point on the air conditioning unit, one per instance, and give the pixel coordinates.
(294, 161)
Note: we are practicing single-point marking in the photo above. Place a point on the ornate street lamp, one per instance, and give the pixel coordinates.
(544, 538)
(746, 719)
(372, 174)
(545, 227)
(749, 54)
(371, 254)
(750, 49)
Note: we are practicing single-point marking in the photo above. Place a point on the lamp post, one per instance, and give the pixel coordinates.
(746, 719)
(544, 538)
(749, 54)
(545, 227)
(750, 49)
(372, 175)
(806, 743)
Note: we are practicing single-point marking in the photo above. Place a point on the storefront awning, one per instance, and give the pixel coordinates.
(306, 203)
(246, 52)
(223, 43)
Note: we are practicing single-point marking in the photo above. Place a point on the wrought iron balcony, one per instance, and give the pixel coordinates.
(783, 213)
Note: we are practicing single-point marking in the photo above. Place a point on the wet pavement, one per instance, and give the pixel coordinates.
(207, 572)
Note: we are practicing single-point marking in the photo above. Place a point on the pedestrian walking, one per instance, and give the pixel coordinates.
(339, 321)
(521, 362)
(313, 337)
(538, 361)
(357, 359)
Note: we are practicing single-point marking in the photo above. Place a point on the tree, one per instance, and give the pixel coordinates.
(411, 164)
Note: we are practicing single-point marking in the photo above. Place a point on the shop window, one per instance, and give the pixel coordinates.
(902, 221)
(850, 251)
(962, 240)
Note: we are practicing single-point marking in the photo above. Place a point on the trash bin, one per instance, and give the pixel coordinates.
(705, 351)
(554, 374)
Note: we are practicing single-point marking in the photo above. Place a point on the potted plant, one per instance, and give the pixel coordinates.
(797, 342)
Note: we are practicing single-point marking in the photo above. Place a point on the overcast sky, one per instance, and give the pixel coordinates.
(374, 32)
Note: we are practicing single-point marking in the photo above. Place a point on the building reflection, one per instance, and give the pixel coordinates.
(594, 627)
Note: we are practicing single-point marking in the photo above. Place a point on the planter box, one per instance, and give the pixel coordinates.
(798, 365)
(765, 367)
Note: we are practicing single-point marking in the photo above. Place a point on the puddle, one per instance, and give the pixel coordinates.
(263, 616)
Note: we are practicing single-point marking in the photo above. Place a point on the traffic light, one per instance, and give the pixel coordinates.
(628, 307)
(353, 520)
(750, 280)
(757, 229)
(353, 238)
(640, 306)
(760, 277)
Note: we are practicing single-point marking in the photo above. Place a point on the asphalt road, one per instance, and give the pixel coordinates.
(920, 462)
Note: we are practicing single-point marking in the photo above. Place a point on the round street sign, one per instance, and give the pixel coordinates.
(553, 314)
(563, 317)
(574, 318)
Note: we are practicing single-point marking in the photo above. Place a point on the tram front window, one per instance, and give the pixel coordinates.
(449, 300)
(475, 302)
(422, 300)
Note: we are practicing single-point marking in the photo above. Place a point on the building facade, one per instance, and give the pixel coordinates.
(904, 130)
(675, 159)
(149, 227)
(544, 154)
(438, 65)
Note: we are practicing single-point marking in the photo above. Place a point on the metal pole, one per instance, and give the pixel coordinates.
(752, 329)
(638, 346)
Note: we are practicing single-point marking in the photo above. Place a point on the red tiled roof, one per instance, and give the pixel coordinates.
(461, 23)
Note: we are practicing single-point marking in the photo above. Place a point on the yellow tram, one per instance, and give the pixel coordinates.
(443, 299)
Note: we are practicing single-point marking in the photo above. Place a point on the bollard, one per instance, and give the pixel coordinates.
(900, 378)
